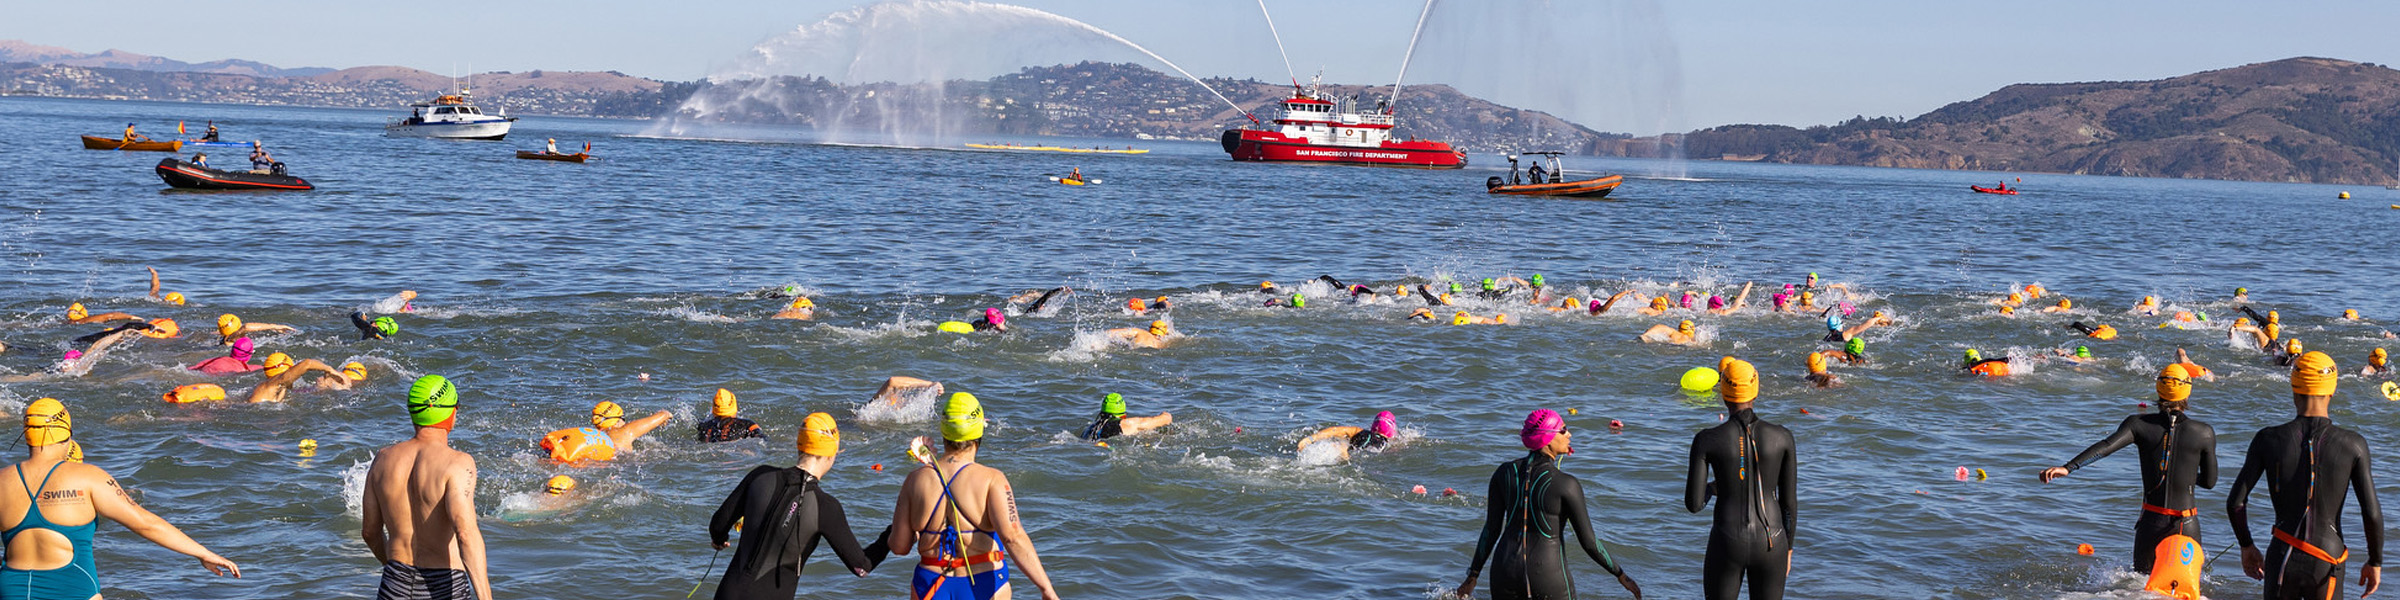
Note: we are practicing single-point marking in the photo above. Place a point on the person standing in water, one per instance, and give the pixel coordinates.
(1527, 511)
(784, 513)
(1749, 465)
(48, 558)
(2309, 464)
(418, 512)
(943, 517)
(2177, 453)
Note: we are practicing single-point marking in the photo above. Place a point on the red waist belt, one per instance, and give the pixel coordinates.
(956, 563)
(2309, 548)
(2170, 512)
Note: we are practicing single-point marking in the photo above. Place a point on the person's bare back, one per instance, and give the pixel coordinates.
(418, 514)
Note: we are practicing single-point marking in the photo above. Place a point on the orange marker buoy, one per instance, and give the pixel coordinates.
(1100, 444)
(2083, 549)
(1237, 430)
(1804, 411)
(1448, 492)
(1419, 490)
(878, 466)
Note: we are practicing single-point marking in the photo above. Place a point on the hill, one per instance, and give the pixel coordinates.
(2296, 120)
(607, 94)
(20, 51)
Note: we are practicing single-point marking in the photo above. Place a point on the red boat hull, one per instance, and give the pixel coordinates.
(1268, 146)
(1986, 190)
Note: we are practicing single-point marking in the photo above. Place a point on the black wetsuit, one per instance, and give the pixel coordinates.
(726, 429)
(1336, 283)
(2310, 464)
(366, 327)
(1044, 300)
(784, 514)
(1749, 460)
(94, 337)
(1431, 299)
(2177, 453)
(1527, 511)
(1367, 439)
(1106, 426)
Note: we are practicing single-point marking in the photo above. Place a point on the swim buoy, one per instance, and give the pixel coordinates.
(956, 327)
(2391, 391)
(1699, 380)
(196, 392)
(1990, 368)
(579, 444)
(2175, 573)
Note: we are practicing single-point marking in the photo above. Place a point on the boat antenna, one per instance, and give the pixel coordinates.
(1412, 51)
(1287, 56)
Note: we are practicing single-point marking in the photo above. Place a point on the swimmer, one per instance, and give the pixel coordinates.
(396, 303)
(2242, 333)
(1466, 318)
(2309, 464)
(2147, 307)
(1599, 307)
(2351, 314)
(352, 374)
(78, 363)
(1879, 319)
(1975, 363)
(230, 328)
(1268, 288)
(2291, 352)
(235, 361)
(2035, 291)
(2080, 355)
(375, 329)
(1421, 314)
(1565, 305)
(1356, 438)
(77, 315)
(171, 298)
(417, 513)
(896, 390)
(1155, 337)
(2012, 301)
(2241, 295)
(783, 514)
(1297, 300)
(1658, 306)
(282, 372)
(1719, 306)
(1039, 301)
(724, 422)
(1818, 375)
(1541, 289)
(1683, 334)
(56, 559)
(1136, 306)
(2192, 368)
(993, 320)
(2097, 332)
(2064, 305)
(1528, 508)
(944, 519)
(2177, 452)
(1112, 421)
(1749, 466)
(1854, 351)
(1808, 302)
(801, 309)
(1690, 300)
(1362, 293)
(609, 434)
(1334, 283)
(558, 485)
(2378, 364)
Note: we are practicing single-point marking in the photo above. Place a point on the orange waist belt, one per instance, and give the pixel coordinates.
(2170, 512)
(2309, 548)
(957, 563)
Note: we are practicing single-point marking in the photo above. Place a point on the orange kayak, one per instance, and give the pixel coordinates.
(93, 142)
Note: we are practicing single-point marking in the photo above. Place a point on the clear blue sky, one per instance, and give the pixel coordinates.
(1619, 65)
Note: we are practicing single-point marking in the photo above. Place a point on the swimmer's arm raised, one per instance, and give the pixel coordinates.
(1012, 534)
(117, 506)
(153, 282)
(461, 505)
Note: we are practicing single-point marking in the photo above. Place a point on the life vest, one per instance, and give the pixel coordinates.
(579, 444)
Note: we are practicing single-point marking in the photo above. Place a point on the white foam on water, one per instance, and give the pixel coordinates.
(921, 405)
(354, 486)
(1087, 346)
(688, 313)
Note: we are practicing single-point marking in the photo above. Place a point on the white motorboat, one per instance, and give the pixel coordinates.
(452, 117)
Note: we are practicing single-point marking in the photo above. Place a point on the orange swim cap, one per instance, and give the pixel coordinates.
(2274, 317)
(1135, 305)
(2377, 358)
(607, 415)
(47, 422)
(2016, 298)
(277, 363)
(1266, 285)
(2174, 383)
(2314, 375)
(2008, 310)
(2292, 346)
(2350, 313)
(1738, 382)
(798, 303)
(195, 392)
(819, 436)
(77, 312)
(1816, 363)
(1659, 303)
(1160, 328)
(2066, 303)
(724, 405)
(2274, 331)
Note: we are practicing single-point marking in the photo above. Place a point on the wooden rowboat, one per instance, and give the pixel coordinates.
(574, 158)
(93, 142)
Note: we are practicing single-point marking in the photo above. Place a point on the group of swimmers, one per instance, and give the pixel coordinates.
(961, 517)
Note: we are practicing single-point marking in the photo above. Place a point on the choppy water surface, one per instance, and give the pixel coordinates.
(547, 287)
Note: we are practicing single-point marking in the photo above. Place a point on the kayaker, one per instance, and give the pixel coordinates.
(130, 136)
(211, 136)
(1075, 174)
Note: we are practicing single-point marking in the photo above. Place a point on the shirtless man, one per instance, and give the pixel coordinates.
(46, 553)
(897, 390)
(418, 512)
(1681, 335)
(281, 373)
(959, 516)
(1156, 337)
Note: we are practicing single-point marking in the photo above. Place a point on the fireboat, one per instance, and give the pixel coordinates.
(1314, 129)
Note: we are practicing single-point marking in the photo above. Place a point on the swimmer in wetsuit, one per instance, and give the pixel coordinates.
(723, 425)
(993, 320)
(47, 557)
(1112, 421)
(784, 513)
(1039, 301)
(2177, 452)
(1356, 438)
(1527, 512)
(375, 329)
(1749, 466)
(2309, 464)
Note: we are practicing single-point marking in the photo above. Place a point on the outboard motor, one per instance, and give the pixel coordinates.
(1491, 183)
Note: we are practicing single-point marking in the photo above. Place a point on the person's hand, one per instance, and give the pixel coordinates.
(2053, 473)
(2253, 564)
(2369, 577)
(221, 567)
(1049, 593)
(1466, 589)
(1630, 586)
(720, 545)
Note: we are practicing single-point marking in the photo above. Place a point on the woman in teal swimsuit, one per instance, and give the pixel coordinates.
(48, 559)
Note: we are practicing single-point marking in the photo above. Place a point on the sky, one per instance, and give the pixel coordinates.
(1637, 66)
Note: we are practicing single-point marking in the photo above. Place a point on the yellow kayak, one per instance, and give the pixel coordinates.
(1059, 149)
(1084, 181)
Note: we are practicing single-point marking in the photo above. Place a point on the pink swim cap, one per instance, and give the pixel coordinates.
(1540, 427)
(242, 350)
(1595, 307)
(995, 316)
(1789, 288)
(1687, 299)
(75, 354)
(1848, 309)
(1716, 302)
(1781, 299)
(1386, 425)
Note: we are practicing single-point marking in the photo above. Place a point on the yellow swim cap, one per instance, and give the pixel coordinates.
(175, 298)
(1445, 298)
(227, 325)
(559, 485)
(2240, 322)
(1879, 314)
(819, 436)
(354, 371)
(47, 422)
(2014, 298)
(76, 311)
(2292, 346)
(2312, 375)
(1807, 297)
(1266, 285)
(2066, 303)
(1685, 327)
(2174, 383)
(1501, 318)
(1400, 290)
(2274, 331)
(1658, 303)
(163, 328)
(724, 405)
(2149, 299)
(607, 415)
(2350, 313)
(194, 392)
(803, 303)
(277, 363)
(1570, 302)
(2008, 310)
(2274, 317)
(1461, 318)
(74, 452)
(962, 418)
(1738, 380)
(1159, 328)
(1816, 362)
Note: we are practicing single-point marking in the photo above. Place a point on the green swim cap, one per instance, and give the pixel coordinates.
(1537, 279)
(1858, 346)
(387, 326)
(1299, 301)
(791, 290)
(1114, 404)
(1455, 288)
(432, 400)
(1973, 356)
(2203, 315)
(2083, 352)
(1489, 284)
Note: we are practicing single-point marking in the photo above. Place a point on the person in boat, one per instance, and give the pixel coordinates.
(131, 137)
(1512, 171)
(211, 136)
(1075, 174)
(260, 160)
(1533, 174)
(200, 159)
(550, 146)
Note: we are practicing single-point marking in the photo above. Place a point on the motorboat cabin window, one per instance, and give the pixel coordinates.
(443, 110)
